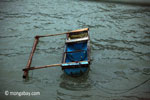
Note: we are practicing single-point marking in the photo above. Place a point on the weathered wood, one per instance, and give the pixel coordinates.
(40, 67)
(80, 30)
(77, 40)
(25, 75)
(46, 66)
(51, 35)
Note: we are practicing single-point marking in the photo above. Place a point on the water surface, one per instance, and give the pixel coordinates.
(120, 48)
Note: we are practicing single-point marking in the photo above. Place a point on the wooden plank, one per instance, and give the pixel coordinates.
(77, 40)
(81, 30)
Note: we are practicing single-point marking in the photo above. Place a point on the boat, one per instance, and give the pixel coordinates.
(76, 56)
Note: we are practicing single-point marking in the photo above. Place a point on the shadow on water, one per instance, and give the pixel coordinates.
(125, 2)
(74, 87)
(75, 83)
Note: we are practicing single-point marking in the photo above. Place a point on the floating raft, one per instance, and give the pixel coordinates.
(76, 56)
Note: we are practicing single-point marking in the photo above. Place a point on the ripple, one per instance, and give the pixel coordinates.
(110, 47)
(121, 74)
(135, 11)
(119, 40)
(146, 71)
(123, 17)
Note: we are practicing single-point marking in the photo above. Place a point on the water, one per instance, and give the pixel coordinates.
(120, 43)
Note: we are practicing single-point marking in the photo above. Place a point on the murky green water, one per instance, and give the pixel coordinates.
(120, 41)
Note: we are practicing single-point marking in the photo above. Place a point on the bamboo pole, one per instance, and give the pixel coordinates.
(79, 30)
(25, 75)
(46, 66)
(40, 67)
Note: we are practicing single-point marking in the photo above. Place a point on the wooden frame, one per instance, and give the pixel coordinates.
(28, 66)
